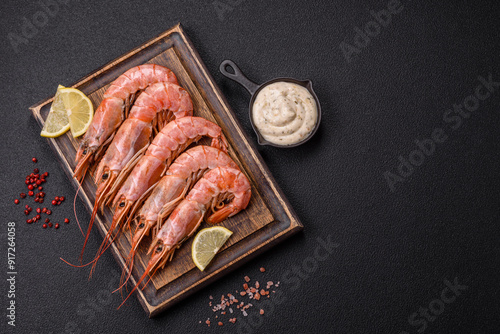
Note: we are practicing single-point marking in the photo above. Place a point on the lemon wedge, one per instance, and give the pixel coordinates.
(79, 109)
(207, 243)
(71, 109)
(57, 121)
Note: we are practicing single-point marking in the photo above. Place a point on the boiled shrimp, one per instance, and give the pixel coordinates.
(159, 103)
(114, 109)
(187, 169)
(173, 139)
(219, 194)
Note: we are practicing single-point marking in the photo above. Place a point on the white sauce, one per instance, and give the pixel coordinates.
(284, 113)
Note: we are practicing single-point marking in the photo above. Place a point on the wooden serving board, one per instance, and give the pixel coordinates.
(267, 219)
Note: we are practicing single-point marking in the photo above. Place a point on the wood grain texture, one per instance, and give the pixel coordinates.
(268, 218)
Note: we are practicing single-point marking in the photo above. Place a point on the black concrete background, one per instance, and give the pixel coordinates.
(395, 249)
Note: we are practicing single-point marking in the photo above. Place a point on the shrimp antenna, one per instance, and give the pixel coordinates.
(74, 209)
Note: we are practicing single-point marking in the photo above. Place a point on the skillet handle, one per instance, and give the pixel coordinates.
(237, 76)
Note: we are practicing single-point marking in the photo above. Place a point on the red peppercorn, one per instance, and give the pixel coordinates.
(38, 182)
(61, 198)
(40, 188)
(29, 209)
(58, 202)
(37, 200)
(38, 210)
(54, 202)
(35, 170)
(22, 195)
(40, 200)
(26, 206)
(38, 217)
(44, 210)
(28, 221)
(34, 160)
(30, 187)
(56, 198)
(44, 225)
(16, 201)
(46, 174)
(66, 220)
(57, 225)
(26, 212)
(30, 193)
(50, 224)
(49, 212)
(27, 181)
(42, 194)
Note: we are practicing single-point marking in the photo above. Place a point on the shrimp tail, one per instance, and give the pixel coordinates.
(222, 214)
(220, 142)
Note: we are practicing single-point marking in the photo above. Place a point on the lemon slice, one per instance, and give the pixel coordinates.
(79, 110)
(207, 243)
(57, 121)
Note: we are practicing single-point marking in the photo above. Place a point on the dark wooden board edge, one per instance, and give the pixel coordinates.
(293, 224)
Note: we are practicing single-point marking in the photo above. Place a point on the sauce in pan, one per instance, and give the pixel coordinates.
(284, 113)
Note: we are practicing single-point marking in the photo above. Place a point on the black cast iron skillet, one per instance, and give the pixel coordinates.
(254, 90)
